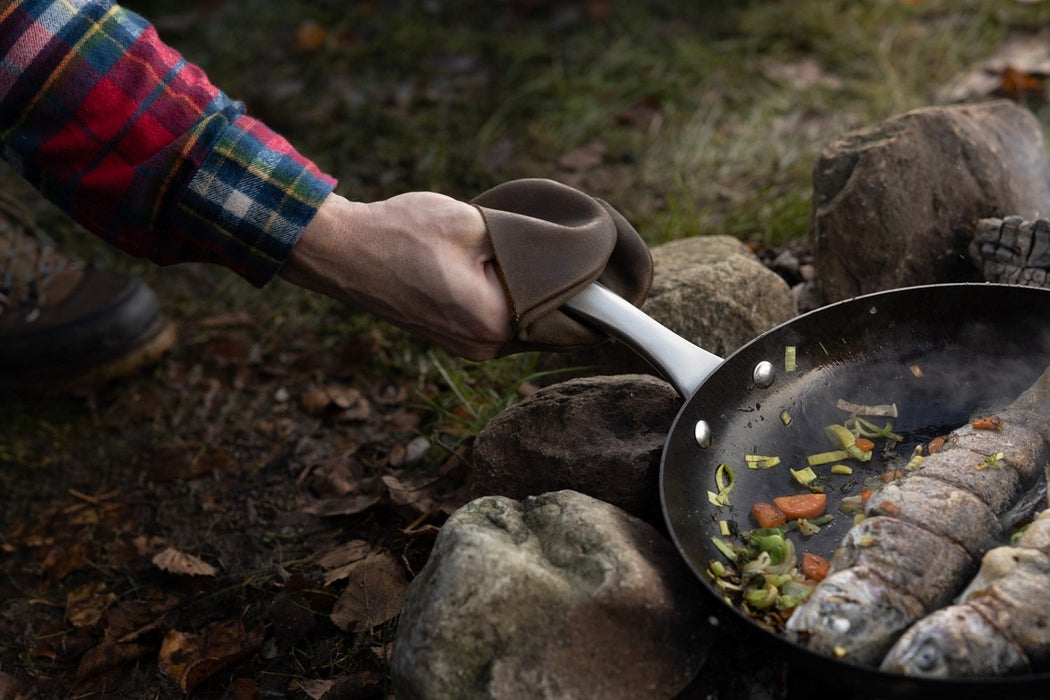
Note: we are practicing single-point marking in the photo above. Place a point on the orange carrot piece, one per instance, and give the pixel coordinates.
(865, 494)
(767, 515)
(814, 566)
(806, 505)
(936, 444)
(864, 444)
(892, 475)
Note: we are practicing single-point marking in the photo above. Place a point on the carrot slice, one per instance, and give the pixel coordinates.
(767, 515)
(805, 505)
(865, 494)
(814, 566)
(864, 444)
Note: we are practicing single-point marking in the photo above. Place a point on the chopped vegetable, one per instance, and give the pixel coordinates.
(825, 457)
(805, 477)
(725, 548)
(936, 444)
(785, 417)
(767, 515)
(761, 461)
(988, 423)
(889, 508)
(724, 481)
(806, 505)
(723, 527)
(814, 566)
(916, 370)
(851, 504)
(864, 444)
(892, 475)
(880, 411)
(771, 542)
(865, 494)
(841, 469)
(789, 358)
(842, 438)
(916, 460)
(807, 528)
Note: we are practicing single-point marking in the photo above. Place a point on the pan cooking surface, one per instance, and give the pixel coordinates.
(976, 348)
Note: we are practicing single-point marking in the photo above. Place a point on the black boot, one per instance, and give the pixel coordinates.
(64, 325)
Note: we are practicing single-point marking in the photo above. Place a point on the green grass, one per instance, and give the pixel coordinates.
(458, 96)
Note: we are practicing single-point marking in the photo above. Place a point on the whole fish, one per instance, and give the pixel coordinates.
(925, 534)
(1000, 624)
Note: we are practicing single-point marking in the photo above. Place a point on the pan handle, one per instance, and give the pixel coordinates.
(683, 364)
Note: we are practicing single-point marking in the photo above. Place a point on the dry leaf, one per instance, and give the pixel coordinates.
(345, 505)
(373, 595)
(352, 551)
(176, 562)
(108, 656)
(190, 659)
(85, 604)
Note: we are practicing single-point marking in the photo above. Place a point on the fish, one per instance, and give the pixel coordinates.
(1000, 623)
(924, 536)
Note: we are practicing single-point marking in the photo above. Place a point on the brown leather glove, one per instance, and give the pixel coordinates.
(552, 240)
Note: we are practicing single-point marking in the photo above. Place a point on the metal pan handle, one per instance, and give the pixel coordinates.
(683, 364)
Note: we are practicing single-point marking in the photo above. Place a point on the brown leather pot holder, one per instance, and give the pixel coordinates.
(552, 240)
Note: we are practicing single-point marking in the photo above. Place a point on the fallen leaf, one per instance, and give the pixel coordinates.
(352, 551)
(342, 402)
(108, 656)
(176, 562)
(344, 505)
(1016, 84)
(85, 604)
(374, 593)
(190, 659)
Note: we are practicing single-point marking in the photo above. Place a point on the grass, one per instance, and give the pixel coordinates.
(457, 96)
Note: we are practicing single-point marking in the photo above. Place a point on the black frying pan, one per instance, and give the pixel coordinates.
(977, 346)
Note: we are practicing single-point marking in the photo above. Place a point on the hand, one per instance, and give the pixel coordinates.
(421, 260)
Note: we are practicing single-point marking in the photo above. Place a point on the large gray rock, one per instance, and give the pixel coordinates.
(602, 436)
(897, 204)
(559, 596)
(711, 290)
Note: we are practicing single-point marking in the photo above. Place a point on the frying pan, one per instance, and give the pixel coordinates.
(939, 352)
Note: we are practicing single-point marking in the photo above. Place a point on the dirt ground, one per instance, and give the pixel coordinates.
(242, 519)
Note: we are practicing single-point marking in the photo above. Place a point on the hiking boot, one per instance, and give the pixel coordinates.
(63, 324)
(1013, 251)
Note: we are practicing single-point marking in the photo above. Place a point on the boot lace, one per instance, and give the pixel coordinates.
(28, 260)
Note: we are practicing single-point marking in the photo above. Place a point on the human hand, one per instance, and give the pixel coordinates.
(421, 260)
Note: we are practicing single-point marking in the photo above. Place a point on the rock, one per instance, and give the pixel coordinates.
(896, 204)
(559, 596)
(602, 436)
(711, 290)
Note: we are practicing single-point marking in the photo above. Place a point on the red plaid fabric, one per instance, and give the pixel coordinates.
(138, 146)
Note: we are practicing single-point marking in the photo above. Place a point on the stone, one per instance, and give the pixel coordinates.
(711, 290)
(558, 596)
(896, 204)
(601, 436)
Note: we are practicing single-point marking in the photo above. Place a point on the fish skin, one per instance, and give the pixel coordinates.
(948, 511)
(1000, 624)
(854, 614)
(909, 557)
(954, 642)
(998, 488)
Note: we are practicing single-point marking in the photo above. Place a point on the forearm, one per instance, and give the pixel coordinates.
(139, 147)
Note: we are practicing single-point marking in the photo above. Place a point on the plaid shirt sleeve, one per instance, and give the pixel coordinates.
(136, 144)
